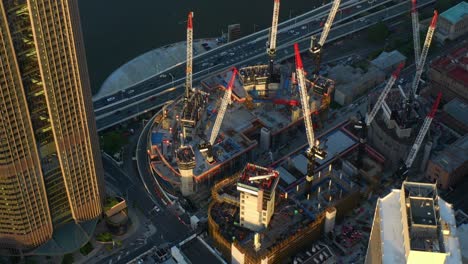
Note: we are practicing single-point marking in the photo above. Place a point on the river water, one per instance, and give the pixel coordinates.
(116, 31)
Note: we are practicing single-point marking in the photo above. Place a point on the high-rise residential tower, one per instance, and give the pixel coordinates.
(51, 185)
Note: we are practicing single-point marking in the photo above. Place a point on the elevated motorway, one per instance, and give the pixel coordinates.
(158, 90)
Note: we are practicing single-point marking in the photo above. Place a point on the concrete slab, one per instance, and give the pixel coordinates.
(149, 64)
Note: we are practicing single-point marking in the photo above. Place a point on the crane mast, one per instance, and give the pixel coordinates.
(314, 150)
(207, 147)
(304, 97)
(384, 93)
(188, 79)
(316, 48)
(422, 58)
(363, 125)
(415, 21)
(274, 30)
(422, 133)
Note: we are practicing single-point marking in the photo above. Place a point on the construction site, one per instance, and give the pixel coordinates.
(234, 117)
(246, 137)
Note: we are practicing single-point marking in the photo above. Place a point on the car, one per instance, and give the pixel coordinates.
(162, 76)
(304, 27)
(131, 91)
(358, 6)
(110, 99)
(231, 54)
(361, 19)
(152, 98)
(117, 112)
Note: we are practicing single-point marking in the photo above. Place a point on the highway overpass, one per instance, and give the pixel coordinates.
(157, 90)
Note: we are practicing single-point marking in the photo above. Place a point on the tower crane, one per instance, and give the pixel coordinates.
(271, 49)
(363, 124)
(415, 22)
(188, 79)
(271, 44)
(316, 47)
(208, 146)
(403, 170)
(422, 58)
(314, 150)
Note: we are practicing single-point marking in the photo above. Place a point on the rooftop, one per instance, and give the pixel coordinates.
(430, 226)
(454, 64)
(454, 155)
(388, 59)
(255, 178)
(458, 110)
(456, 13)
(199, 252)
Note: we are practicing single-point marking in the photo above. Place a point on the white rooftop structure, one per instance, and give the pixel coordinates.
(414, 225)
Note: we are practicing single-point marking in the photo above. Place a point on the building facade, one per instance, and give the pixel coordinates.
(449, 75)
(450, 166)
(453, 23)
(413, 225)
(50, 167)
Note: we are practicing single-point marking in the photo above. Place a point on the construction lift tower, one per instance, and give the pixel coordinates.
(207, 147)
(316, 47)
(363, 123)
(314, 150)
(404, 168)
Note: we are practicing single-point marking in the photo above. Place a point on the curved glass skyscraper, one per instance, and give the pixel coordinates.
(51, 180)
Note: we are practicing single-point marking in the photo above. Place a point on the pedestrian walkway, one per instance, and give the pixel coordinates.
(149, 64)
(138, 228)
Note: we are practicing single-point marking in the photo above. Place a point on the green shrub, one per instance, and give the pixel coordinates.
(84, 250)
(104, 237)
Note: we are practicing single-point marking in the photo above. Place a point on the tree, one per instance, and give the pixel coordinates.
(442, 5)
(86, 249)
(113, 141)
(104, 237)
(378, 33)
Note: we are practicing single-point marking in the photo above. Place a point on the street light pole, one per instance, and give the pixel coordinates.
(172, 77)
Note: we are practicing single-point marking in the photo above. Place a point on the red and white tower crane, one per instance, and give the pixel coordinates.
(415, 22)
(422, 58)
(363, 125)
(188, 79)
(314, 150)
(207, 147)
(271, 49)
(316, 47)
(403, 170)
